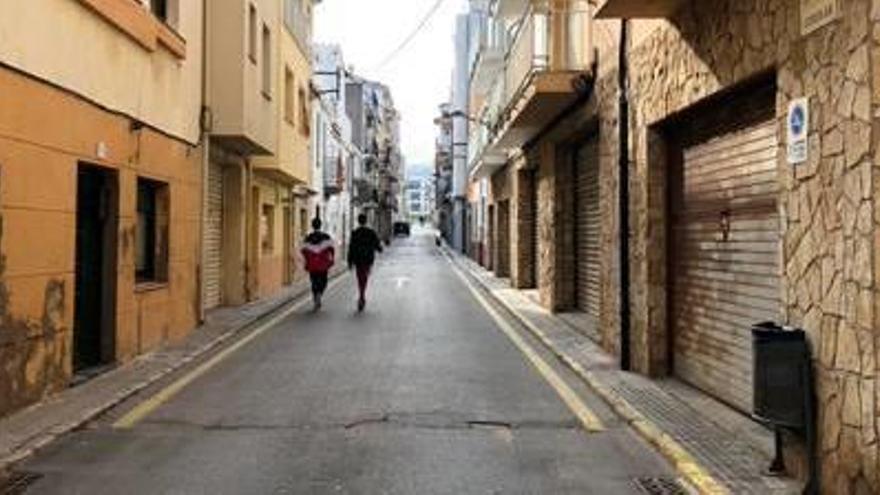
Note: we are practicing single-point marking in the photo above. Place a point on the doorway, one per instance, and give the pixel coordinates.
(97, 218)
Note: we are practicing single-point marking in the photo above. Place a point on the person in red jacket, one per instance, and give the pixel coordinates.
(320, 254)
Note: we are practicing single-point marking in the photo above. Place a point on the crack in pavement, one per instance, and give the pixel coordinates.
(402, 421)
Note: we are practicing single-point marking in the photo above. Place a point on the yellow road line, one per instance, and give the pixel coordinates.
(586, 416)
(146, 407)
(692, 472)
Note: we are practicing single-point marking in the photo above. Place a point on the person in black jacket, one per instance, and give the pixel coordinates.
(362, 251)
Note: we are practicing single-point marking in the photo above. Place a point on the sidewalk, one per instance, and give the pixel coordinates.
(715, 448)
(28, 430)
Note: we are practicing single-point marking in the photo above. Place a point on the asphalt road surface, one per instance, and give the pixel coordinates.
(421, 394)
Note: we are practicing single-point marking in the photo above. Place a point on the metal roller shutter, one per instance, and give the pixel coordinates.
(587, 225)
(724, 282)
(214, 238)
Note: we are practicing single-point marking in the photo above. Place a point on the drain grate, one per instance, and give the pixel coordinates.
(659, 486)
(17, 482)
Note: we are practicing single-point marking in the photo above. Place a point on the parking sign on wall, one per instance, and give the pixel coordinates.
(798, 124)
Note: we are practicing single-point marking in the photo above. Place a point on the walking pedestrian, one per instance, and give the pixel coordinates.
(362, 251)
(319, 254)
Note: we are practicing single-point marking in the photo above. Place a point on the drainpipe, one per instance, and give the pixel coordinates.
(205, 138)
(623, 198)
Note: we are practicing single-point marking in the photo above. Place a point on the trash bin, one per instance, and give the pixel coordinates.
(781, 375)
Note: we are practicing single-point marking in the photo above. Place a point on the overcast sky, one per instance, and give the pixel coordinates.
(419, 77)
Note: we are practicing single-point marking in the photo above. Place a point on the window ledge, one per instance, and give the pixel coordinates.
(172, 40)
(141, 287)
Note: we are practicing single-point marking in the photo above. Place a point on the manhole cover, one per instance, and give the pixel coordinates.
(17, 482)
(659, 486)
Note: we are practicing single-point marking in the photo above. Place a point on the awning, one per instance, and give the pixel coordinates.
(633, 9)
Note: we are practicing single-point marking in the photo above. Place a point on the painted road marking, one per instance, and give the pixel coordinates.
(586, 416)
(144, 409)
(693, 474)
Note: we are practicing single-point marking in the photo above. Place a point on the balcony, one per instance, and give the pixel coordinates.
(548, 52)
(483, 161)
(244, 116)
(489, 59)
(632, 9)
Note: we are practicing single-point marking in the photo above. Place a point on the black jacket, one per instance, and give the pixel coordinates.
(364, 245)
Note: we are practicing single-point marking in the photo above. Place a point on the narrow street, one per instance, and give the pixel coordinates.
(421, 394)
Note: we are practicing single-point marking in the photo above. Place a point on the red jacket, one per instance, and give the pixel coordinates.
(319, 252)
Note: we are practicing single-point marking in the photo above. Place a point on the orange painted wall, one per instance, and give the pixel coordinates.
(44, 134)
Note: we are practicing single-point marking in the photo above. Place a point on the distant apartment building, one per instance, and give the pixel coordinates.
(376, 133)
(418, 198)
(101, 167)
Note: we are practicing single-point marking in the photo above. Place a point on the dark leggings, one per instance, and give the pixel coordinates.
(319, 282)
(363, 276)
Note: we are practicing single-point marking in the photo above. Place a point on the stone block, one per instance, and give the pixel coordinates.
(848, 355)
(828, 341)
(857, 66)
(832, 142)
(861, 104)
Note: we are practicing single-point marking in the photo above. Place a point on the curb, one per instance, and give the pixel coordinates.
(34, 444)
(686, 465)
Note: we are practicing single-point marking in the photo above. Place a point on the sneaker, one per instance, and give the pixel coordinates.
(317, 302)
(361, 305)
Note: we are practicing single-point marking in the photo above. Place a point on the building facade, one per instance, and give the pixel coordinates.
(721, 228)
(102, 175)
(258, 196)
(335, 157)
(443, 169)
(376, 133)
(419, 200)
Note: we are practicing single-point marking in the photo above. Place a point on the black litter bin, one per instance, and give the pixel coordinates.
(783, 390)
(782, 370)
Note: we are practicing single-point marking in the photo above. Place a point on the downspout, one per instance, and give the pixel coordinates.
(623, 198)
(205, 137)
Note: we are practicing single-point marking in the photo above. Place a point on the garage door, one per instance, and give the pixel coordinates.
(214, 238)
(587, 221)
(726, 258)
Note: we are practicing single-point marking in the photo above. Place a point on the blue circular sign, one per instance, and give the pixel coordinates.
(797, 120)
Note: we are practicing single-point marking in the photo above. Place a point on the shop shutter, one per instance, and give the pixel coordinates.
(587, 224)
(722, 283)
(214, 238)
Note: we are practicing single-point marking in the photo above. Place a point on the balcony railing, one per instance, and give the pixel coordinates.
(548, 39)
(490, 52)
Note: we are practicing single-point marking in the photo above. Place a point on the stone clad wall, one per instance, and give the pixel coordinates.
(827, 205)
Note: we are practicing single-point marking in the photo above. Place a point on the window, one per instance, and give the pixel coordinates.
(267, 229)
(289, 96)
(151, 250)
(304, 115)
(252, 34)
(267, 61)
(159, 9)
